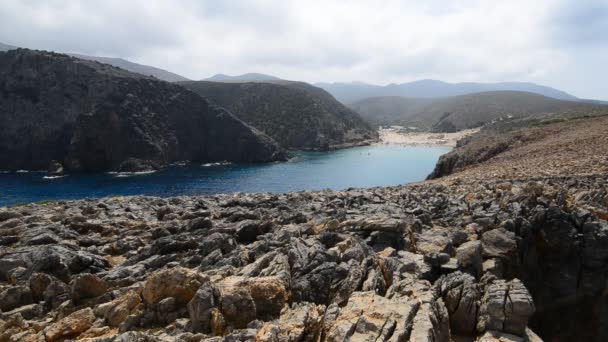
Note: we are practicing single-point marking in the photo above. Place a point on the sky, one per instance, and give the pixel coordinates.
(559, 43)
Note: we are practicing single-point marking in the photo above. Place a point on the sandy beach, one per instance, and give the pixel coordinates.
(394, 135)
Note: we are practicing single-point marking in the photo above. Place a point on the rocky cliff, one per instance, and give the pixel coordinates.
(297, 115)
(94, 117)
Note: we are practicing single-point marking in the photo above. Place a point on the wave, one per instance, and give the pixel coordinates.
(129, 174)
(217, 164)
(53, 177)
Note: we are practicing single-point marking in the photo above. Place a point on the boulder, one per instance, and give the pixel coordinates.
(70, 326)
(370, 317)
(469, 258)
(87, 286)
(461, 296)
(179, 282)
(505, 307)
(117, 311)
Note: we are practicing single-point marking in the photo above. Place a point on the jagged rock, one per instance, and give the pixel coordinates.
(204, 310)
(469, 258)
(370, 317)
(70, 326)
(117, 311)
(14, 297)
(300, 322)
(506, 307)
(180, 283)
(87, 286)
(461, 296)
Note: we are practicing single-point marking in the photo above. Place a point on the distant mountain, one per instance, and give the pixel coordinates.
(354, 91)
(465, 111)
(250, 77)
(297, 115)
(5, 47)
(94, 117)
(145, 70)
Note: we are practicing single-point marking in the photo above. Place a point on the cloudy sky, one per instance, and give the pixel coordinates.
(560, 43)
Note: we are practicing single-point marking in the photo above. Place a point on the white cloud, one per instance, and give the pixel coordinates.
(314, 40)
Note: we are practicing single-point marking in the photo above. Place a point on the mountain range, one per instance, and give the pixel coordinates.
(249, 77)
(355, 91)
(467, 111)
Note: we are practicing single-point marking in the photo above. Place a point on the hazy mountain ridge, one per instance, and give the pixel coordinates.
(142, 69)
(135, 67)
(94, 117)
(355, 91)
(465, 111)
(248, 77)
(295, 114)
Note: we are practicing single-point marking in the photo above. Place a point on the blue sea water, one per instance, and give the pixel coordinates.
(369, 166)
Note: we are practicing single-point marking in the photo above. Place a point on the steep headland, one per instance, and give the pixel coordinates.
(456, 113)
(295, 114)
(90, 116)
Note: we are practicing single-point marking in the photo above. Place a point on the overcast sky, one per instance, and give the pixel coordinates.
(560, 43)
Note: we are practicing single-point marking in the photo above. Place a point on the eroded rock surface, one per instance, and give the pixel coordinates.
(487, 261)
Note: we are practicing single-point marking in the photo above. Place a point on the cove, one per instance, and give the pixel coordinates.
(368, 166)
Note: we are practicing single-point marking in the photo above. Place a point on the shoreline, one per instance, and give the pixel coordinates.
(394, 136)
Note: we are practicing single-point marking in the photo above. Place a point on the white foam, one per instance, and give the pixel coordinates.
(217, 164)
(53, 177)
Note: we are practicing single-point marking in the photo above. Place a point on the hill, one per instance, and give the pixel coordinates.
(95, 117)
(142, 69)
(145, 70)
(249, 77)
(5, 47)
(466, 111)
(297, 115)
(355, 91)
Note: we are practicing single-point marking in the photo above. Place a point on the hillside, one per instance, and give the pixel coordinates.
(142, 69)
(355, 91)
(249, 77)
(466, 111)
(95, 117)
(530, 148)
(5, 47)
(296, 115)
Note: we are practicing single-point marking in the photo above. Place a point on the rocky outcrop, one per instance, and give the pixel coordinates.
(70, 115)
(295, 114)
(486, 261)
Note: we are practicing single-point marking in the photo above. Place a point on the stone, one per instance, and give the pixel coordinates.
(14, 297)
(87, 286)
(461, 296)
(117, 311)
(469, 258)
(370, 317)
(506, 307)
(180, 283)
(71, 326)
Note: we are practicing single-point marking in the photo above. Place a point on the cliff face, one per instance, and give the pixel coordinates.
(94, 117)
(296, 115)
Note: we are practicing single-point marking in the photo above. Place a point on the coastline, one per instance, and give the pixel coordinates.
(394, 136)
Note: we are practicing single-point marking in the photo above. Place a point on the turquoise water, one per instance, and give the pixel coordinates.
(379, 165)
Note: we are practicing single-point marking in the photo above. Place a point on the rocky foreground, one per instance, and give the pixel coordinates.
(486, 261)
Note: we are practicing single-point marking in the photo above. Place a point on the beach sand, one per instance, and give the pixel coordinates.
(394, 135)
